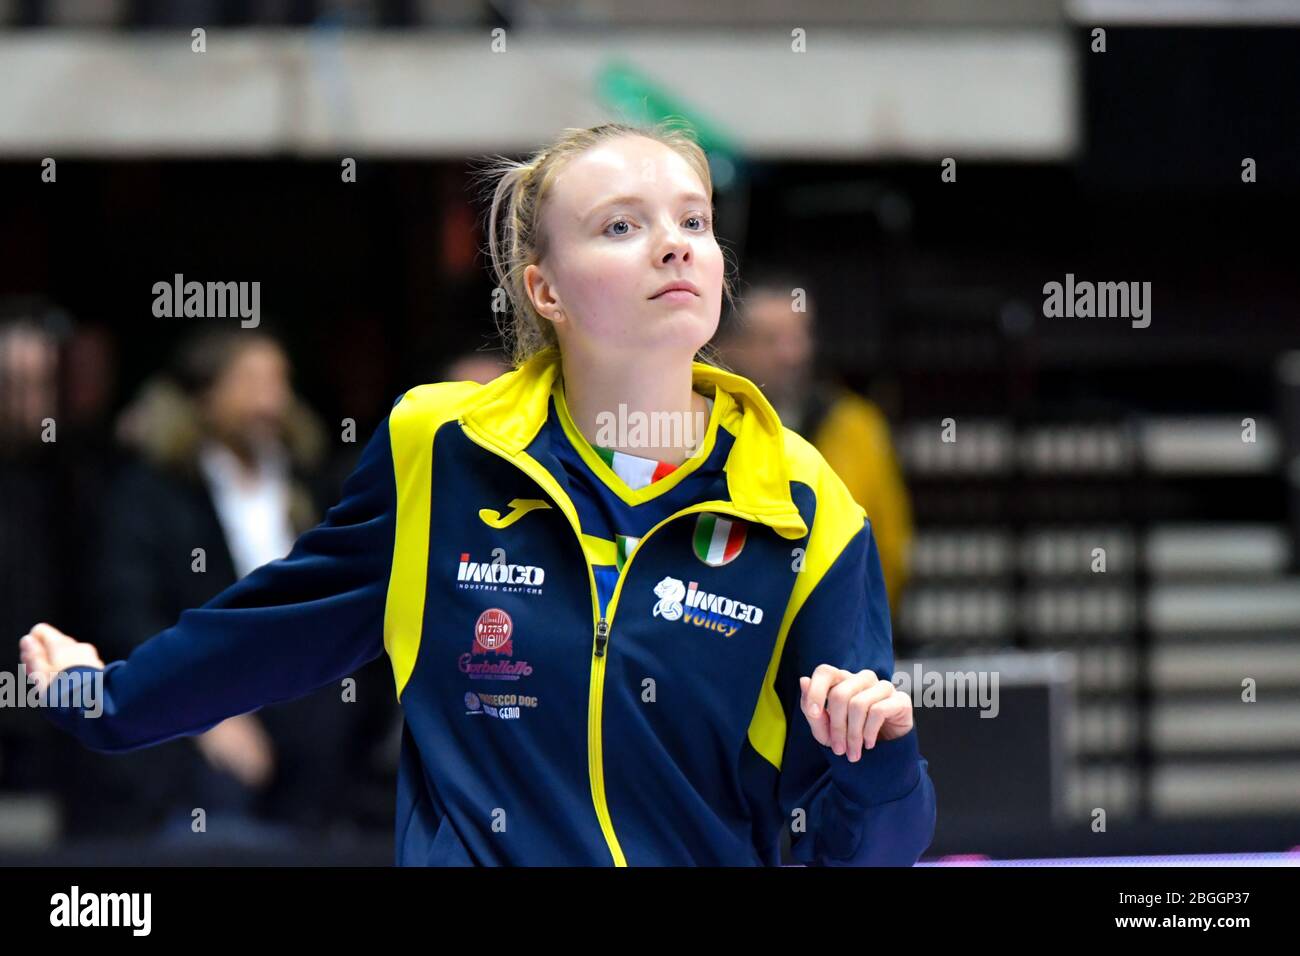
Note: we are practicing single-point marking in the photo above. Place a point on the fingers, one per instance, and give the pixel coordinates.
(825, 702)
(866, 712)
(31, 649)
(813, 702)
(45, 650)
(841, 697)
(824, 677)
(821, 724)
(894, 709)
(49, 641)
(49, 634)
(848, 712)
(36, 661)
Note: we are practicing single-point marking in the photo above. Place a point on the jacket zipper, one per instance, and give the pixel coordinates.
(603, 626)
(595, 761)
(713, 507)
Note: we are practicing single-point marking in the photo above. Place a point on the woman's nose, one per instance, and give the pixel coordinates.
(676, 245)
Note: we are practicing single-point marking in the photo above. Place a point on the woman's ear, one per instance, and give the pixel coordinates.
(542, 294)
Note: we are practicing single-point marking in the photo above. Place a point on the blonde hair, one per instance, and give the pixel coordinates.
(516, 239)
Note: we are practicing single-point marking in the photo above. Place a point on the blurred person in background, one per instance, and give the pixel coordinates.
(219, 486)
(50, 478)
(773, 343)
(28, 397)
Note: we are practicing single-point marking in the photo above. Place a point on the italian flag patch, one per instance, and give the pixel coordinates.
(718, 540)
(623, 545)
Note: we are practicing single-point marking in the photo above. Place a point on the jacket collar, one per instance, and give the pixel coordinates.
(512, 408)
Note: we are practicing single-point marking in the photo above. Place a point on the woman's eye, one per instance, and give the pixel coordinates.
(704, 223)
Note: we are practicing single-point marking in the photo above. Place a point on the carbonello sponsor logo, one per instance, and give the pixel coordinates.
(714, 612)
(498, 575)
(494, 641)
(76, 908)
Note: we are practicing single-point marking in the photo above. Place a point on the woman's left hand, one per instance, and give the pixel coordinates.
(45, 650)
(847, 710)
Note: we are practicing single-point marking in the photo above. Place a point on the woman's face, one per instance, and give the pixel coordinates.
(624, 219)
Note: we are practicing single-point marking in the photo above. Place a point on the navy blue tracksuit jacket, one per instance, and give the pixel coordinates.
(543, 725)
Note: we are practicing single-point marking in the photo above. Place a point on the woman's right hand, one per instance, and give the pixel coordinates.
(46, 650)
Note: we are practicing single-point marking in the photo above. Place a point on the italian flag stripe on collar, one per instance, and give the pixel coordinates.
(634, 471)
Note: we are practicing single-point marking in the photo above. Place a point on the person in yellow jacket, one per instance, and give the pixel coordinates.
(771, 341)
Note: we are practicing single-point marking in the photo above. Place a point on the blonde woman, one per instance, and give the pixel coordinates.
(632, 619)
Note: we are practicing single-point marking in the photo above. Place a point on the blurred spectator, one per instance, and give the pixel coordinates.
(219, 488)
(51, 475)
(772, 342)
(29, 579)
(90, 381)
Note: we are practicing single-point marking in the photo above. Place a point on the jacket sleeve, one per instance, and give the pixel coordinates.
(879, 811)
(284, 630)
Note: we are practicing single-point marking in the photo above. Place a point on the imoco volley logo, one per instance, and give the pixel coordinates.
(690, 605)
(494, 639)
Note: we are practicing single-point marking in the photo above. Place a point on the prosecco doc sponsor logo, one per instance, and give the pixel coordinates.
(500, 706)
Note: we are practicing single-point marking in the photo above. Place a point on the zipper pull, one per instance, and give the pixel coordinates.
(602, 637)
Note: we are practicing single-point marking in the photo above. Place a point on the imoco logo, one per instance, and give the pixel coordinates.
(690, 605)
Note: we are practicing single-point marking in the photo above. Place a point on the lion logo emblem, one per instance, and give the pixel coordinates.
(670, 592)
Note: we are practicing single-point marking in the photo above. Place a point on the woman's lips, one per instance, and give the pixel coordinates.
(675, 295)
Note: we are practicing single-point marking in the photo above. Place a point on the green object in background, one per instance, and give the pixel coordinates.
(640, 100)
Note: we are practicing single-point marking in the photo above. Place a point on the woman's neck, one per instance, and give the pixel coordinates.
(658, 396)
